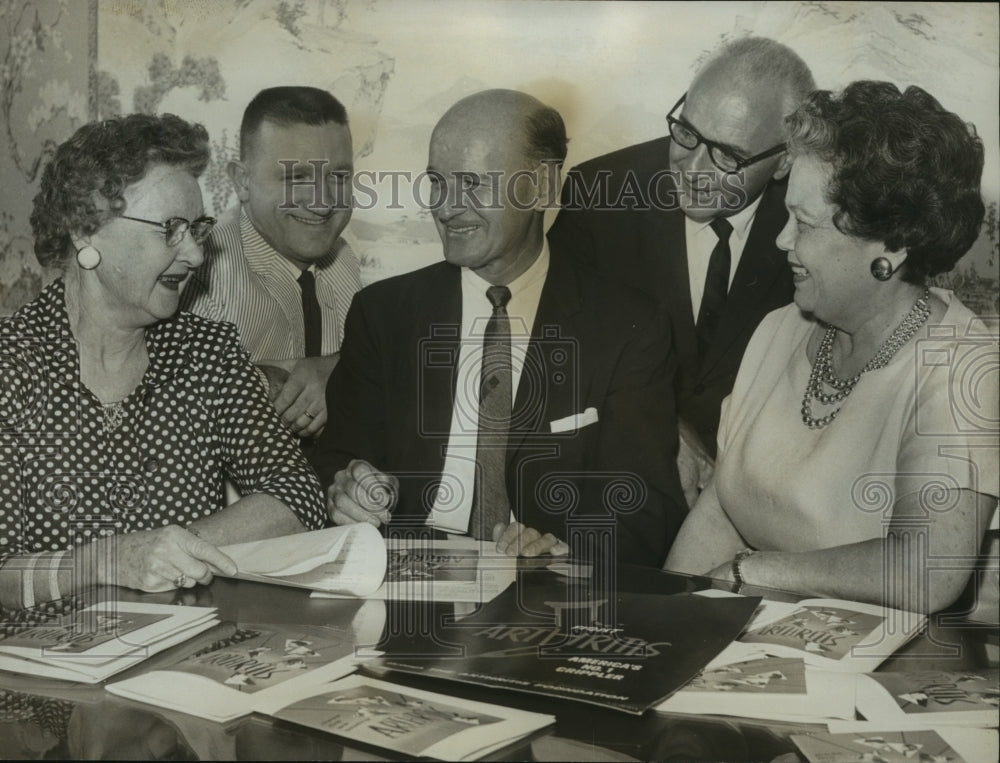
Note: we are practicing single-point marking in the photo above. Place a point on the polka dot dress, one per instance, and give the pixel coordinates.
(70, 472)
(51, 715)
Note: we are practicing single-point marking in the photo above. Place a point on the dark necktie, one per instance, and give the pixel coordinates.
(312, 320)
(713, 300)
(489, 496)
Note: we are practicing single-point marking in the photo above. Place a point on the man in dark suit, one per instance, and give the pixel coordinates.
(692, 219)
(505, 393)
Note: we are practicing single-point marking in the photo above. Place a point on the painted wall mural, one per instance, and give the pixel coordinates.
(612, 69)
(46, 52)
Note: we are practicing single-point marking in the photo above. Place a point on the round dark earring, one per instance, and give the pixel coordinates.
(882, 268)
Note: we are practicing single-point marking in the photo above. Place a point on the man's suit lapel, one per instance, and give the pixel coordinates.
(665, 245)
(440, 320)
(555, 329)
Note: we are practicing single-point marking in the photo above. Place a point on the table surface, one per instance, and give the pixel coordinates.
(89, 723)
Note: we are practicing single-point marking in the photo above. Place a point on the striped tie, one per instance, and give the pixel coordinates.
(490, 505)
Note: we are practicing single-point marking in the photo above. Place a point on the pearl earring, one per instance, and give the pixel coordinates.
(881, 268)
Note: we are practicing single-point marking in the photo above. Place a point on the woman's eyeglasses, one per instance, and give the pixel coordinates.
(176, 227)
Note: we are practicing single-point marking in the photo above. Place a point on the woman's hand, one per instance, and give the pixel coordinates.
(155, 560)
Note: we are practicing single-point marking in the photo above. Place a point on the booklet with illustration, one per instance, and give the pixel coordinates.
(356, 561)
(926, 698)
(252, 667)
(832, 634)
(92, 644)
(943, 745)
(774, 688)
(455, 570)
(558, 637)
(412, 722)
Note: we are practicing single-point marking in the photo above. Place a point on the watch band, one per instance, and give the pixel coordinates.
(738, 569)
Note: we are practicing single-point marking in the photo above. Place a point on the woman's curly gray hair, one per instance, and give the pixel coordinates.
(104, 158)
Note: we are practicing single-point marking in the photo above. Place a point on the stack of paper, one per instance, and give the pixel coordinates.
(945, 745)
(412, 722)
(773, 688)
(800, 662)
(346, 560)
(95, 643)
(926, 699)
(453, 570)
(355, 561)
(831, 634)
(252, 668)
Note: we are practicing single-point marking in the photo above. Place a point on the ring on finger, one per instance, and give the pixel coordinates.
(181, 580)
(310, 415)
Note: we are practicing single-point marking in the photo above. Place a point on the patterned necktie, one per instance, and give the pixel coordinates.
(489, 498)
(312, 320)
(713, 301)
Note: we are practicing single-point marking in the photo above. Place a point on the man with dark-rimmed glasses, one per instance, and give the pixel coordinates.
(692, 218)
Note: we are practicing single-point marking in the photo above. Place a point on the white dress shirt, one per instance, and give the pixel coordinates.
(701, 240)
(453, 505)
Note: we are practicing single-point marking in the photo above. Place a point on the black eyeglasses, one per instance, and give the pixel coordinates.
(176, 227)
(688, 137)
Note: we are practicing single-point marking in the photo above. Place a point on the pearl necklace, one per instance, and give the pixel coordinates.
(822, 370)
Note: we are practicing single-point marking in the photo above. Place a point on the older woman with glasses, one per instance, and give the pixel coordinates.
(858, 449)
(120, 418)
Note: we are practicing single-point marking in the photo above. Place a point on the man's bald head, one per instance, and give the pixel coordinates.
(497, 113)
(763, 66)
(494, 164)
(737, 101)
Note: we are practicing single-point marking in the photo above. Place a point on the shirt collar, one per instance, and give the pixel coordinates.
(47, 318)
(741, 221)
(529, 277)
(261, 256)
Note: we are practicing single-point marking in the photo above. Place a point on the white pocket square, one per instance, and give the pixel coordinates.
(574, 422)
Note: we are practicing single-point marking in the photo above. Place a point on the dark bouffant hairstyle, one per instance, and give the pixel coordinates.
(286, 106)
(906, 172)
(105, 158)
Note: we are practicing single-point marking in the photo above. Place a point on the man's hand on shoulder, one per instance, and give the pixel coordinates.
(276, 377)
(302, 400)
(361, 493)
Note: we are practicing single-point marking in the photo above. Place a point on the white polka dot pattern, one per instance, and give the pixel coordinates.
(199, 415)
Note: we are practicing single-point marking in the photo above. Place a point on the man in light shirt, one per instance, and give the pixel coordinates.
(505, 393)
(281, 272)
(691, 219)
